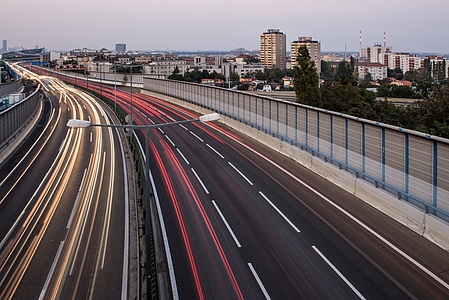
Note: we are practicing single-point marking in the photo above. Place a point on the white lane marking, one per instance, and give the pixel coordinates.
(91, 136)
(11, 229)
(84, 106)
(166, 136)
(241, 174)
(262, 287)
(89, 118)
(197, 136)
(202, 184)
(338, 273)
(152, 122)
(227, 224)
(218, 153)
(280, 212)
(171, 269)
(52, 270)
(346, 213)
(76, 200)
(160, 130)
(183, 126)
(182, 155)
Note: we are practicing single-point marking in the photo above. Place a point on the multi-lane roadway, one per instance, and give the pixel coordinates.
(62, 206)
(245, 223)
(240, 221)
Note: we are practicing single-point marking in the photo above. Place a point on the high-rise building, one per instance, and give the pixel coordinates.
(5, 46)
(374, 53)
(273, 49)
(120, 48)
(314, 48)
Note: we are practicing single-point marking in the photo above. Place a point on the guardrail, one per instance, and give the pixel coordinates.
(15, 118)
(410, 165)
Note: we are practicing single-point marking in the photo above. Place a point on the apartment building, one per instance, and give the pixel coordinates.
(377, 70)
(404, 61)
(273, 49)
(314, 48)
(373, 54)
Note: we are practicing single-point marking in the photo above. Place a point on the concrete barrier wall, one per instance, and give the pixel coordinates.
(427, 225)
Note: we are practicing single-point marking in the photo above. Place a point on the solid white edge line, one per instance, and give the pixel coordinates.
(360, 223)
(259, 282)
(213, 149)
(182, 155)
(202, 184)
(126, 238)
(171, 269)
(280, 212)
(241, 174)
(338, 273)
(52, 270)
(227, 224)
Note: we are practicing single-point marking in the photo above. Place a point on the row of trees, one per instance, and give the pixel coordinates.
(342, 93)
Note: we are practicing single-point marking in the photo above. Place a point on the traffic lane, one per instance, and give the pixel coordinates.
(319, 181)
(98, 268)
(206, 272)
(383, 256)
(25, 180)
(232, 186)
(283, 251)
(56, 234)
(33, 280)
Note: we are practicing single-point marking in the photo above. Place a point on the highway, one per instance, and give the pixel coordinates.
(243, 222)
(247, 223)
(63, 205)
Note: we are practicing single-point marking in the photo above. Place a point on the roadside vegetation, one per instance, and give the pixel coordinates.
(339, 90)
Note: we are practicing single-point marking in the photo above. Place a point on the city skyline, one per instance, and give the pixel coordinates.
(202, 25)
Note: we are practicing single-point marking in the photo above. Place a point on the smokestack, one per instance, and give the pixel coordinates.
(360, 43)
(385, 39)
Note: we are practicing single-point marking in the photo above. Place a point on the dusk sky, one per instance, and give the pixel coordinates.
(410, 25)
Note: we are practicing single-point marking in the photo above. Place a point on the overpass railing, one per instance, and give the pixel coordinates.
(15, 118)
(411, 165)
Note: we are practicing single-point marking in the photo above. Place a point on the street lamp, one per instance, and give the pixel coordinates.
(84, 124)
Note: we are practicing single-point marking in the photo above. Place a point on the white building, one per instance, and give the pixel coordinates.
(165, 68)
(373, 53)
(314, 48)
(377, 71)
(273, 49)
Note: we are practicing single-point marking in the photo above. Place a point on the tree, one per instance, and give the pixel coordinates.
(249, 59)
(345, 74)
(260, 75)
(436, 112)
(176, 75)
(234, 77)
(327, 72)
(306, 80)
(204, 74)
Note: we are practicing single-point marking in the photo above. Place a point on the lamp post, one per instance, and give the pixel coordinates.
(115, 89)
(84, 124)
(130, 66)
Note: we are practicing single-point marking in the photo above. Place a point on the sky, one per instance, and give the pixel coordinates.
(410, 25)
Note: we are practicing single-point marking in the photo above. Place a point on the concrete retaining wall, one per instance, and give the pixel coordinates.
(429, 226)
